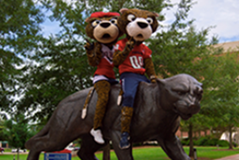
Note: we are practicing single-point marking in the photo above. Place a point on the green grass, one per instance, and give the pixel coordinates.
(156, 153)
(152, 153)
(214, 152)
(21, 157)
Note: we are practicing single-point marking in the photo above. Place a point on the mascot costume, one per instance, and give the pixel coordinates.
(133, 60)
(103, 28)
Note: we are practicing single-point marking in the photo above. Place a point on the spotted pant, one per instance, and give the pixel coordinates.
(102, 89)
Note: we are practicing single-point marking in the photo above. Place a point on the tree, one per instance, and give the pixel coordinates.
(19, 32)
(1, 129)
(221, 96)
(17, 131)
(61, 66)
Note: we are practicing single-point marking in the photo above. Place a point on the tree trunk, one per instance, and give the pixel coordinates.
(230, 138)
(190, 135)
(18, 150)
(106, 152)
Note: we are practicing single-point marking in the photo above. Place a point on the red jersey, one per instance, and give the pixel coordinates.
(134, 62)
(105, 67)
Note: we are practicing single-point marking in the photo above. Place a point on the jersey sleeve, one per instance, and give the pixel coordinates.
(148, 52)
(119, 46)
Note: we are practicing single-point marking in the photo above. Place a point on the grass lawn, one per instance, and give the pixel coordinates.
(156, 153)
(14, 156)
(152, 153)
(214, 152)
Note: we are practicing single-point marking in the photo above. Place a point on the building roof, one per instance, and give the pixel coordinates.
(229, 46)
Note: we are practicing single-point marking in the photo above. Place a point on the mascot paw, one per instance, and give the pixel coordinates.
(130, 44)
(89, 45)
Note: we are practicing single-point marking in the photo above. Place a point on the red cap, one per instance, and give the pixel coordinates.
(104, 14)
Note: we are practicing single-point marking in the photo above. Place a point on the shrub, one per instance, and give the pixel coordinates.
(185, 141)
(201, 141)
(223, 143)
(207, 141)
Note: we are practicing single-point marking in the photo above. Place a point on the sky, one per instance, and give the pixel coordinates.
(222, 15)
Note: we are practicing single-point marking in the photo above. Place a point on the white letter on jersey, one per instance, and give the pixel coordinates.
(136, 63)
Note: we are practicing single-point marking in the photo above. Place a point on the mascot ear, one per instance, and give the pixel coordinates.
(123, 10)
(87, 20)
(156, 14)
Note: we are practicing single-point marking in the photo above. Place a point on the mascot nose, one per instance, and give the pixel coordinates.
(142, 25)
(105, 24)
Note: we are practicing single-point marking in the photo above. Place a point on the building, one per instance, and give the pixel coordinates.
(229, 46)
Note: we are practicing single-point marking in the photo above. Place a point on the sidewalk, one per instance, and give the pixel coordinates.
(234, 157)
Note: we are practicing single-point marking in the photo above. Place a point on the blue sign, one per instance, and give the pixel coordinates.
(57, 156)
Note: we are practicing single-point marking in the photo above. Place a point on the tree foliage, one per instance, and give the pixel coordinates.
(17, 131)
(60, 66)
(221, 95)
(19, 34)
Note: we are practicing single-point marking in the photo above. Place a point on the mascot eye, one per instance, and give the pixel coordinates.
(131, 17)
(150, 20)
(113, 21)
(95, 23)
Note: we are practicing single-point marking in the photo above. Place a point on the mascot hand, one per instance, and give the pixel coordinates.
(130, 44)
(93, 49)
(89, 46)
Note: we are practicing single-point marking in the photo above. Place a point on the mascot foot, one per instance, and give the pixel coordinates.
(124, 142)
(97, 136)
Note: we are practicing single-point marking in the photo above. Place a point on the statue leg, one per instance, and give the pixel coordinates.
(48, 141)
(33, 155)
(89, 147)
(173, 148)
(40, 144)
(122, 154)
(35, 144)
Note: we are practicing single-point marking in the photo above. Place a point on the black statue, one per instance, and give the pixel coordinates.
(158, 108)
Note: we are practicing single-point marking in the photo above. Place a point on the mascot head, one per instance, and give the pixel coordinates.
(102, 26)
(138, 24)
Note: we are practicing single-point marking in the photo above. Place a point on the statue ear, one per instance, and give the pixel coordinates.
(160, 81)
